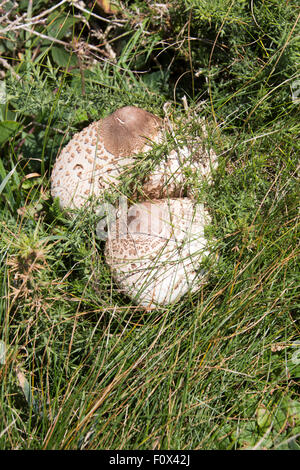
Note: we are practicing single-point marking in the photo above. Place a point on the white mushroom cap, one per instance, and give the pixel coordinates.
(169, 177)
(94, 159)
(157, 258)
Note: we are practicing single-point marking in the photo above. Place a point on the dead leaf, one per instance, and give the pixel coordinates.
(106, 6)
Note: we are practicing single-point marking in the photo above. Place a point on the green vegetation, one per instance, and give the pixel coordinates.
(80, 366)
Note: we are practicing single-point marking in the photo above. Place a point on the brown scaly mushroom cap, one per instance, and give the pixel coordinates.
(94, 158)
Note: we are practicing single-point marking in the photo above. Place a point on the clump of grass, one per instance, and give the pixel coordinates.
(80, 365)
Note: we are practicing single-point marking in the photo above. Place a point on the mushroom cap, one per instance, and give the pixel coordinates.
(168, 179)
(156, 252)
(95, 158)
(83, 168)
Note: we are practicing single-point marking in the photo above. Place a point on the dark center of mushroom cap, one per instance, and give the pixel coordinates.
(127, 130)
